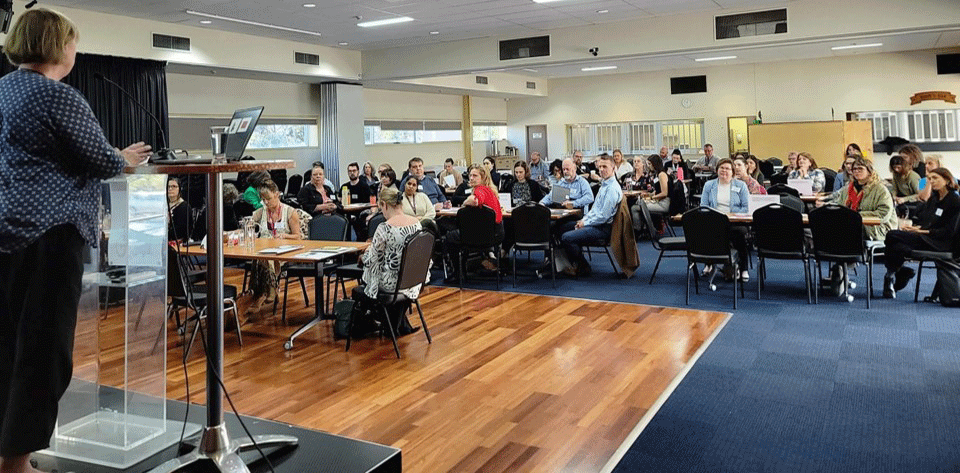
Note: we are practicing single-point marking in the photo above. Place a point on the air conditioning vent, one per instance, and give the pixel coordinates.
(752, 24)
(306, 58)
(482, 80)
(175, 43)
(531, 85)
(537, 46)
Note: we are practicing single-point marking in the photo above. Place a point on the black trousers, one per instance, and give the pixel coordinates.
(39, 296)
(899, 244)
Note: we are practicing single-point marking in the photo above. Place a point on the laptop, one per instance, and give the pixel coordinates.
(803, 186)
(239, 132)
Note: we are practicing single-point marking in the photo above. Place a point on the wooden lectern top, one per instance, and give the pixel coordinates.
(237, 166)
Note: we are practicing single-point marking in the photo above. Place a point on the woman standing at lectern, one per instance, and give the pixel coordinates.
(53, 155)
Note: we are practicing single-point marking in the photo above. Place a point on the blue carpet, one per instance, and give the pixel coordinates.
(792, 387)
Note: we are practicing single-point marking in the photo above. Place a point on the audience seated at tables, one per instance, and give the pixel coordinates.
(807, 170)
(326, 182)
(596, 224)
(315, 197)
(427, 186)
(388, 178)
(583, 169)
(708, 163)
(490, 165)
(853, 148)
(556, 172)
(523, 188)
(254, 181)
(356, 188)
(416, 203)
(230, 197)
(753, 169)
(741, 173)
(658, 195)
(178, 225)
(375, 188)
(539, 169)
(483, 193)
(843, 175)
(580, 194)
(621, 166)
(729, 196)
(664, 156)
(791, 163)
(275, 220)
(449, 170)
(639, 179)
(906, 184)
(936, 230)
(913, 159)
(368, 176)
(677, 167)
(381, 261)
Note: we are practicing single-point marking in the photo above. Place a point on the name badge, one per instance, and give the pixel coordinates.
(420, 187)
(939, 212)
(468, 191)
(354, 196)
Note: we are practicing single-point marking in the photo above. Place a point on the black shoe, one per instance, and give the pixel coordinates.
(932, 299)
(889, 291)
(407, 330)
(584, 270)
(903, 277)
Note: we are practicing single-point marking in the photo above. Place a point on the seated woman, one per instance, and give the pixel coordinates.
(638, 180)
(178, 226)
(523, 189)
(417, 204)
(381, 260)
(254, 181)
(729, 195)
(556, 172)
(388, 178)
(230, 197)
(753, 169)
(906, 185)
(740, 168)
(807, 169)
(368, 176)
(483, 194)
(317, 198)
(276, 220)
(843, 175)
(677, 167)
(938, 222)
(490, 165)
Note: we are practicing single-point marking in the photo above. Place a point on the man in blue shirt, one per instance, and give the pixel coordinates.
(539, 169)
(580, 194)
(596, 223)
(427, 186)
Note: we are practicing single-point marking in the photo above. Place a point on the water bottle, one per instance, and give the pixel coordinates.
(249, 233)
(345, 195)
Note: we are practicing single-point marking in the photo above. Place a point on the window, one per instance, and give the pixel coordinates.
(410, 131)
(918, 126)
(283, 136)
(636, 138)
(489, 131)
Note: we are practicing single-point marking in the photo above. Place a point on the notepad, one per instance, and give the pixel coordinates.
(449, 180)
(279, 250)
(803, 186)
(757, 201)
(318, 254)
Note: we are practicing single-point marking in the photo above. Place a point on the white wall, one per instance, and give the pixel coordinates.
(784, 91)
(398, 105)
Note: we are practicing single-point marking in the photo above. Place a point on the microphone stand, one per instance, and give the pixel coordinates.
(164, 152)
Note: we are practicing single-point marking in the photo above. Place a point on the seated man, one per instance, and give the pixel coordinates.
(579, 195)
(539, 169)
(427, 186)
(359, 193)
(596, 223)
(708, 163)
(583, 169)
(449, 170)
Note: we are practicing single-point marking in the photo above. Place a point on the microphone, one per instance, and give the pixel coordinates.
(162, 153)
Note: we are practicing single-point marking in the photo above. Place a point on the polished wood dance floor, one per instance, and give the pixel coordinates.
(511, 383)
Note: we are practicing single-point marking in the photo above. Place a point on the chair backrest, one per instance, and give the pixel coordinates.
(678, 197)
(707, 233)
(829, 175)
(506, 180)
(294, 184)
(774, 161)
(477, 226)
(766, 167)
(243, 208)
(306, 176)
(781, 189)
(177, 285)
(837, 231)
(778, 178)
(329, 227)
(778, 228)
(648, 222)
(415, 260)
(531, 223)
(375, 222)
(279, 176)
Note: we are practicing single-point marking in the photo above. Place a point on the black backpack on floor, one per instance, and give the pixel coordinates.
(948, 283)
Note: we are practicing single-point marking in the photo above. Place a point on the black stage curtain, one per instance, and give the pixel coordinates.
(122, 121)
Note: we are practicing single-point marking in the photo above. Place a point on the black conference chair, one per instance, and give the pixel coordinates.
(605, 245)
(829, 175)
(477, 227)
(936, 257)
(661, 244)
(322, 227)
(414, 264)
(766, 167)
(778, 234)
(531, 227)
(838, 238)
(294, 185)
(707, 233)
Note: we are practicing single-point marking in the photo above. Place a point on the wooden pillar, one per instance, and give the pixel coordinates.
(467, 130)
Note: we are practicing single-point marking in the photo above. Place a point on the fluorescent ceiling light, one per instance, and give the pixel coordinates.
(206, 22)
(309, 5)
(434, 32)
(343, 43)
(545, 1)
(857, 46)
(718, 58)
(531, 70)
(253, 23)
(603, 11)
(387, 21)
(598, 68)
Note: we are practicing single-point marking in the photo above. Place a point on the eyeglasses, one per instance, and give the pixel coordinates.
(858, 168)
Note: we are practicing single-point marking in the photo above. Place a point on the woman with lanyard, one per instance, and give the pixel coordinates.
(53, 154)
(279, 221)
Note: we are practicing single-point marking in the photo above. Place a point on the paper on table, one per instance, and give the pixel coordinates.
(280, 249)
(757, 201)
(318, 254)
(505, 201)
(449, 180)
(803, 186)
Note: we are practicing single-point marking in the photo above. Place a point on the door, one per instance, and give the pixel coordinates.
(537, 141)
(738, 139)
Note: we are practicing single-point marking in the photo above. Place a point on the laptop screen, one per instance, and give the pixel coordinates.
(239, 131)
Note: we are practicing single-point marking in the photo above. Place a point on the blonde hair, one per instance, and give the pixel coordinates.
(389, 195)
(39, 37)
(484, 177)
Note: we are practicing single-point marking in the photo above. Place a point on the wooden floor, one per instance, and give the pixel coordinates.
(512, 382)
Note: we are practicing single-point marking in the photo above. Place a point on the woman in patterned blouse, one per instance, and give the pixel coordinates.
(53, 155)
(741, 173)
(381, 260)
(807, 169)
(639, 179)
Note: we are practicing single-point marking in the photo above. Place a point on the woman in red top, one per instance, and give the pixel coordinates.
(483, 194)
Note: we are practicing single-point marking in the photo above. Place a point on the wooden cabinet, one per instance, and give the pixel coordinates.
(825, 141)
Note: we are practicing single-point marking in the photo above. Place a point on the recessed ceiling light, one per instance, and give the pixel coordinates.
(205, 22)
(857, 46)
(603, 11)
(309, 5)
(343, 43)
(531, 70)
(387, 21)
(598, 68)
(252, 23)
(434, 32)
(718, 58)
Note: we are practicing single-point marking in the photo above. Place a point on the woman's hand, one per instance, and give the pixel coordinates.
(136, 154)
